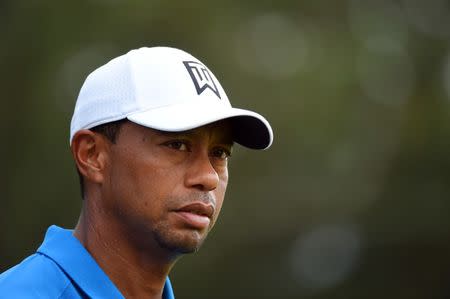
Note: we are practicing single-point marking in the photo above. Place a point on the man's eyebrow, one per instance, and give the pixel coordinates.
(175, 134)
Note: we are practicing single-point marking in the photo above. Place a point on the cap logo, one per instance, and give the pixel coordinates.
(201, 77)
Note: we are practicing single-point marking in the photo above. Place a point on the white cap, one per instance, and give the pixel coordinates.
(165, 89)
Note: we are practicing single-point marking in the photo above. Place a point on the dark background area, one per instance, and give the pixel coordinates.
(351, 201)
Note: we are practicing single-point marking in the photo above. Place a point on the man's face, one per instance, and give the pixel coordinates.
(168, 188)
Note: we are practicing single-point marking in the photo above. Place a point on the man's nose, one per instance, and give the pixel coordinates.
(201, 174)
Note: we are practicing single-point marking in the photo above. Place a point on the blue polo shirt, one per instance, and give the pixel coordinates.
(61, 268)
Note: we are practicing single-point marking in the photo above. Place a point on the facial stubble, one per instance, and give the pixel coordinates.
(182, 240)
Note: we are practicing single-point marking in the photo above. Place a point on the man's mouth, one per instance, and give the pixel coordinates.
(196, 215)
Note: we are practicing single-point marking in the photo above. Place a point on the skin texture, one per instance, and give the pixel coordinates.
(135, 189)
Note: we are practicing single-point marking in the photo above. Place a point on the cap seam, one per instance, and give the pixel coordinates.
(130, 67)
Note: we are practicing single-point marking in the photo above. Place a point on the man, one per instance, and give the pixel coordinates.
(151, 134)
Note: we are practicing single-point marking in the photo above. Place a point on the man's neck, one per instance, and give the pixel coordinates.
(137, 271)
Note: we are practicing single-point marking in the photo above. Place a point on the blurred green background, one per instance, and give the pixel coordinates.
(352, 200)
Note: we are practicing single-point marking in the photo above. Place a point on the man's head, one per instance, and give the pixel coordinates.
(168, 186)
(151, 135)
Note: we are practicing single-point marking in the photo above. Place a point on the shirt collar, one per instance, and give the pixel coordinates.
(65, 250)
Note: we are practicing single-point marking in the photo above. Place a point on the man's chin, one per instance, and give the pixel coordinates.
(180, 242)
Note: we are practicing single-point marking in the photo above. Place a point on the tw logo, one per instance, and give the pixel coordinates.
(201, 77)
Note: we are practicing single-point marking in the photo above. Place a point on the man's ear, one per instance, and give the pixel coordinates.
(90, 152)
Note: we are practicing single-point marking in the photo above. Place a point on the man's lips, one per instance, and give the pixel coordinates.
(198, 208)
(196, 215)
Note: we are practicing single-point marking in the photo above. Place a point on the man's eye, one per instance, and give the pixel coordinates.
(221, 153)
(178, 145)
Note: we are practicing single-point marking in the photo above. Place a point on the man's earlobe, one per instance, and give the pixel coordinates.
(89, 153)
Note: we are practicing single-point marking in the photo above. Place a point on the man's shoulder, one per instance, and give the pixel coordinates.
(37, 276)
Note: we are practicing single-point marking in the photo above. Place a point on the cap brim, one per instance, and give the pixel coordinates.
(249, 128)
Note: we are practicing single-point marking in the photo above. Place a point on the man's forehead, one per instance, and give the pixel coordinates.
(220, 131)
